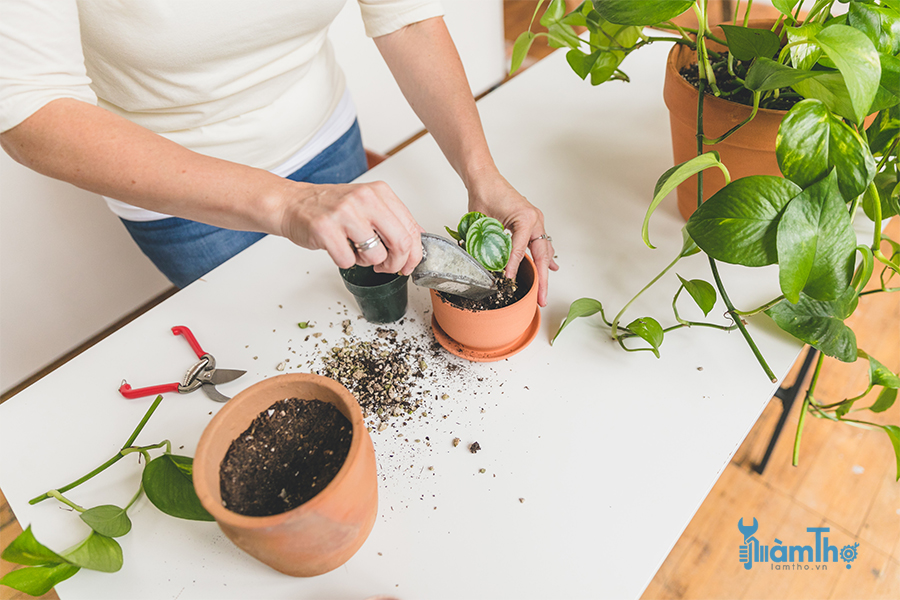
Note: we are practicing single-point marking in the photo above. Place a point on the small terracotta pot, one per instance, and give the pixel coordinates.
(491, 334)
(750, 151)
(327, 530)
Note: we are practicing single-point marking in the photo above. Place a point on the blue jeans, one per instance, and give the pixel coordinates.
(186, 250)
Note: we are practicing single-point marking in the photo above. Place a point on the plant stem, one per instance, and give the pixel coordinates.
(762, 308)
(889, 290)
(135, 497)
(795, 458)
(64, 500)
(712, 262)
(108, 463)
(727, 134)
(615, 322)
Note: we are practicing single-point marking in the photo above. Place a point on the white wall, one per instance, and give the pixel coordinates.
(68, 268)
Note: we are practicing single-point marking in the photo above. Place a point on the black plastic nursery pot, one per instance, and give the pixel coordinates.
(381, 296)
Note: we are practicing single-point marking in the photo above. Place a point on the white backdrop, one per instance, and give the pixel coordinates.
(68, 269)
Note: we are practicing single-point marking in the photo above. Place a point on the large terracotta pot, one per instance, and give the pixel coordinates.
(327, 530)
(490, 335)
(750, 151)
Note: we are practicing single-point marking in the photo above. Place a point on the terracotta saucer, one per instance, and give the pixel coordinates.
(514, 347)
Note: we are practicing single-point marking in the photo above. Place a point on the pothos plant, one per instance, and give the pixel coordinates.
(484, 238)
(836, 70)
(167, 482)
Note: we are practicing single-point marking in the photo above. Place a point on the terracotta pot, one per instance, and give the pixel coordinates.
(327, 530)
(750, 151)
(490, 335)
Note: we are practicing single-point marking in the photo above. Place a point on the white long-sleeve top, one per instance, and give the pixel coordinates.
(246, 81)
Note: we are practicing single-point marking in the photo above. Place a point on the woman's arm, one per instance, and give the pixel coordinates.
(99, 151)
(426, 65)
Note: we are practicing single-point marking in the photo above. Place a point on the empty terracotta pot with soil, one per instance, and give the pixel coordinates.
(325, 530)
(489, 335)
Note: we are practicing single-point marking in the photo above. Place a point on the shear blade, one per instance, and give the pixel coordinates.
(220, 376)
(213, 394)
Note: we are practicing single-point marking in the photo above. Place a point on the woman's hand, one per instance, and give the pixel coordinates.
(337, 217)
(492, 195)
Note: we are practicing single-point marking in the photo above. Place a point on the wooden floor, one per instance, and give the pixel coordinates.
(845, 481)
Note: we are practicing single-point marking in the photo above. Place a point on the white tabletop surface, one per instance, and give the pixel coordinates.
(612, 452)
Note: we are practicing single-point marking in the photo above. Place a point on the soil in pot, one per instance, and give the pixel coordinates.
(508, 292)
(733, 91)
(290, 452)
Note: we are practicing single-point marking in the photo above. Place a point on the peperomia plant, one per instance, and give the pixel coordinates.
(837, 148)
(484, 238)
(167, 481)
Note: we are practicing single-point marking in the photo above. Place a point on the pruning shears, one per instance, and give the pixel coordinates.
(203, 374)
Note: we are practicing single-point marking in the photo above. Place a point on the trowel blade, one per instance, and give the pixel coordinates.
(446, 267)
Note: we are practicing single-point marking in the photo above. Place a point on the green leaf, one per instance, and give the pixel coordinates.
(631, 12)
(703, 293)
(108, 520)
(894, 434)
(605, 67)
(582, 63)
(888, 93)
(670, 180)
(562, 35)
(168, 484)
(884, 130)
(766, 74)
(829, 88)
(688, 246)
(453, 234)
(26, 550)
(885, 400)
(97, 552)
(857, 59)
(811, 142)
(816, 243)
(650, 330)
(467, 220)
(746, 43)
(554, 13)
(820, 324)
(880, 374)
(880, 24)
(804, 56)
(520, 50)
(37, 581)
(738, 224)
(785, 7)
(488, 243)
(583, 307)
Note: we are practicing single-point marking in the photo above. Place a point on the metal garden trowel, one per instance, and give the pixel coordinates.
(446, 267)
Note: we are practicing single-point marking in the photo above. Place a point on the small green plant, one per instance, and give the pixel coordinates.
(484, 239)
(167, 481)
(837, 70)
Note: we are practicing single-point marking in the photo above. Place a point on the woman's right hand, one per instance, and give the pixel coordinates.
(332, 217)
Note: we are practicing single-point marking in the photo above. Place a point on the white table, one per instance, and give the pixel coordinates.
(612, 452)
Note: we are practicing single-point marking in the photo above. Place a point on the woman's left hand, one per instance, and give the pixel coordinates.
(492, 195)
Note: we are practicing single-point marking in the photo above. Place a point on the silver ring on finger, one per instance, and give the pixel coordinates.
(543, 236)
(366, 245)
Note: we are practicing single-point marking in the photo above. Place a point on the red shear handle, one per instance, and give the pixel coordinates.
(195, 346)
(153, 390)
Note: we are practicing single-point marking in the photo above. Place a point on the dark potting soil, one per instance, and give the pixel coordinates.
(290, 452)
(508, 292)
(733, 91)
